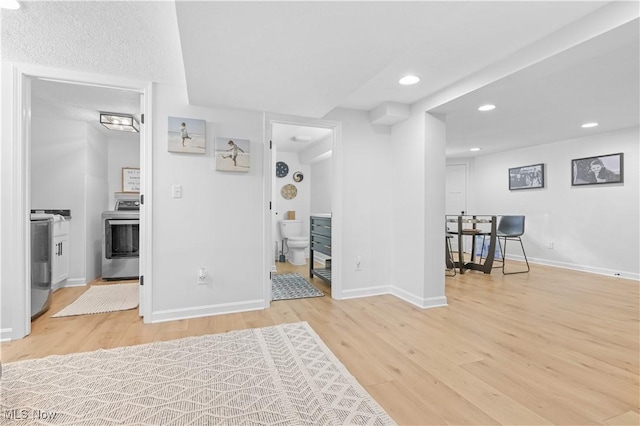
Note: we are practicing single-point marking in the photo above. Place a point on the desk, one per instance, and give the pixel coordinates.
(473, 231)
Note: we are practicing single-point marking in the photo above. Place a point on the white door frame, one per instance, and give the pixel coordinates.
(336, 198)
(20, 190)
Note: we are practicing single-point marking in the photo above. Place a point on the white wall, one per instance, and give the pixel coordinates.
(594, 228)
(321, 188)
(366, 193)
(218, 222)
(58, 163)
(95, 198)
(123, 152)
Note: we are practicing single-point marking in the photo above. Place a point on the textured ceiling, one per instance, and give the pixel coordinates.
(305, 58)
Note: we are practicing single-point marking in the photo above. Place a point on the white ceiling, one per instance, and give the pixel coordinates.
(306, 58)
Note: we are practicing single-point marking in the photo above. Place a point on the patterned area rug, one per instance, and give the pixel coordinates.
(103, 298)
(292, 286)
(281, 375)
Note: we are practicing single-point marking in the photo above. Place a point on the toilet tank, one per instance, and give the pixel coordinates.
(290, 228)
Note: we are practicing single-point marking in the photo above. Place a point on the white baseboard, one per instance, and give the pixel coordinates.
(364, 292)
(74, 282)
(420, 302)
(206, 311)
(6, 334)
(583, 268)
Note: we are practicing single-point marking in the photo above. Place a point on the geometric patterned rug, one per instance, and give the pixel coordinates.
(103, 298)
(292, 286)
(281, 375)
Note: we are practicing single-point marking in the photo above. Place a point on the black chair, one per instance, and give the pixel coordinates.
(511, 228)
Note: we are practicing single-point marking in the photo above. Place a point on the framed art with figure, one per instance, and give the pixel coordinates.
(598, 170)
(526, 177)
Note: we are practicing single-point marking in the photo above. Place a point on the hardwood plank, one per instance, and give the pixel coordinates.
(552, 346)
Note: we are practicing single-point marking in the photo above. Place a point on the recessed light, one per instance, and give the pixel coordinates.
(487, 107)
(475, 149)
(588, 125)
(9, 4)
(408, 80)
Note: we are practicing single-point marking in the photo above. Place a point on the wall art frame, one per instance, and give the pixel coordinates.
(598, 170)
(233, 154)
(187, 135)
(526, 177)
(130, 179)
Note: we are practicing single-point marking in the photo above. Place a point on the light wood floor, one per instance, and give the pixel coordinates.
(549, 347)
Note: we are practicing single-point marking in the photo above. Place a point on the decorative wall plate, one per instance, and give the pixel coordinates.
(298, 176)
(289, 191)
(282, 169)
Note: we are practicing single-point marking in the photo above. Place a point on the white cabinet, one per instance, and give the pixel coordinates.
(60, 250)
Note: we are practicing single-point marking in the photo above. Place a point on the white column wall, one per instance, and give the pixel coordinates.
(366, 193)
(218, 222)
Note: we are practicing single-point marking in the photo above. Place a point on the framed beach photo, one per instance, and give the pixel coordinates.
(526, 177)
(187, 135)
(598, 170)
(232, 154)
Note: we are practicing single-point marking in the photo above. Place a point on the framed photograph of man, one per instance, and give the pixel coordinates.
(526, 177)
(597, 170)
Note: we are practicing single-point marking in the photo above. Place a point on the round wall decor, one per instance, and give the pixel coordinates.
(282, 169)
(298, 176)
(289, 191)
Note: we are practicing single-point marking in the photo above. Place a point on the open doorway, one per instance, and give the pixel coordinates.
(25, 105)
(301, 193)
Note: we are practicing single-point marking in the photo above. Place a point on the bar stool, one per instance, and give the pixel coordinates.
(511, 228)
(449, 261)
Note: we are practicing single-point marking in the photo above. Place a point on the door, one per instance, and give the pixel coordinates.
(455, 194)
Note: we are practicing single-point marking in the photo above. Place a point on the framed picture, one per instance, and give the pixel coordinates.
(526, 177)
(187, 135)
(598, 170)
(130, 179)
(232, 154)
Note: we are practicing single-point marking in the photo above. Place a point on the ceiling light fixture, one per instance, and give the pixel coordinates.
(487, 107)
(475, 149)
(588, 125)
(408, 80)
(9, 4)
(301, 138)
(122, 122)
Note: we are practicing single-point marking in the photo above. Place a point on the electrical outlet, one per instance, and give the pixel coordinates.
(176, 191)
(550, 245)
(358, 263)
(202, 276)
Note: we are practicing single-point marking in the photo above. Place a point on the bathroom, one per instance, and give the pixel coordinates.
(301, 186)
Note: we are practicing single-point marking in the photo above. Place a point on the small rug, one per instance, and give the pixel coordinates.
(103, 298)
(292, 286)
(281, 375)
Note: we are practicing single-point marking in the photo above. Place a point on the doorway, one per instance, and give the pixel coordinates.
(301, 182)
(26, 78)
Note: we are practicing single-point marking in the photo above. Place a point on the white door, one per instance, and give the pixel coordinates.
(455, 194)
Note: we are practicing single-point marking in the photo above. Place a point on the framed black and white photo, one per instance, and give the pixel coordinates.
(187, 135)
(526, 177)
(598, 170)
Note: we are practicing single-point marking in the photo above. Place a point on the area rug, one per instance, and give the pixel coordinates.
(292, 286)
(103, 298)
(280, 375)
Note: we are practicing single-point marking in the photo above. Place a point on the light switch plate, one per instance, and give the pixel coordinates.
(176, 191)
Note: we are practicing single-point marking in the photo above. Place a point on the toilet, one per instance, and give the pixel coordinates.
(291, 232)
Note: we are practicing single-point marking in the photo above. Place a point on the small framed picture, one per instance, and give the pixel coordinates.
(130, 179)
(598, 170)
(187, 135)
(232, 154)
(526, 177)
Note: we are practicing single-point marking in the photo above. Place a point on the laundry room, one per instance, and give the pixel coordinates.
(77, 166)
